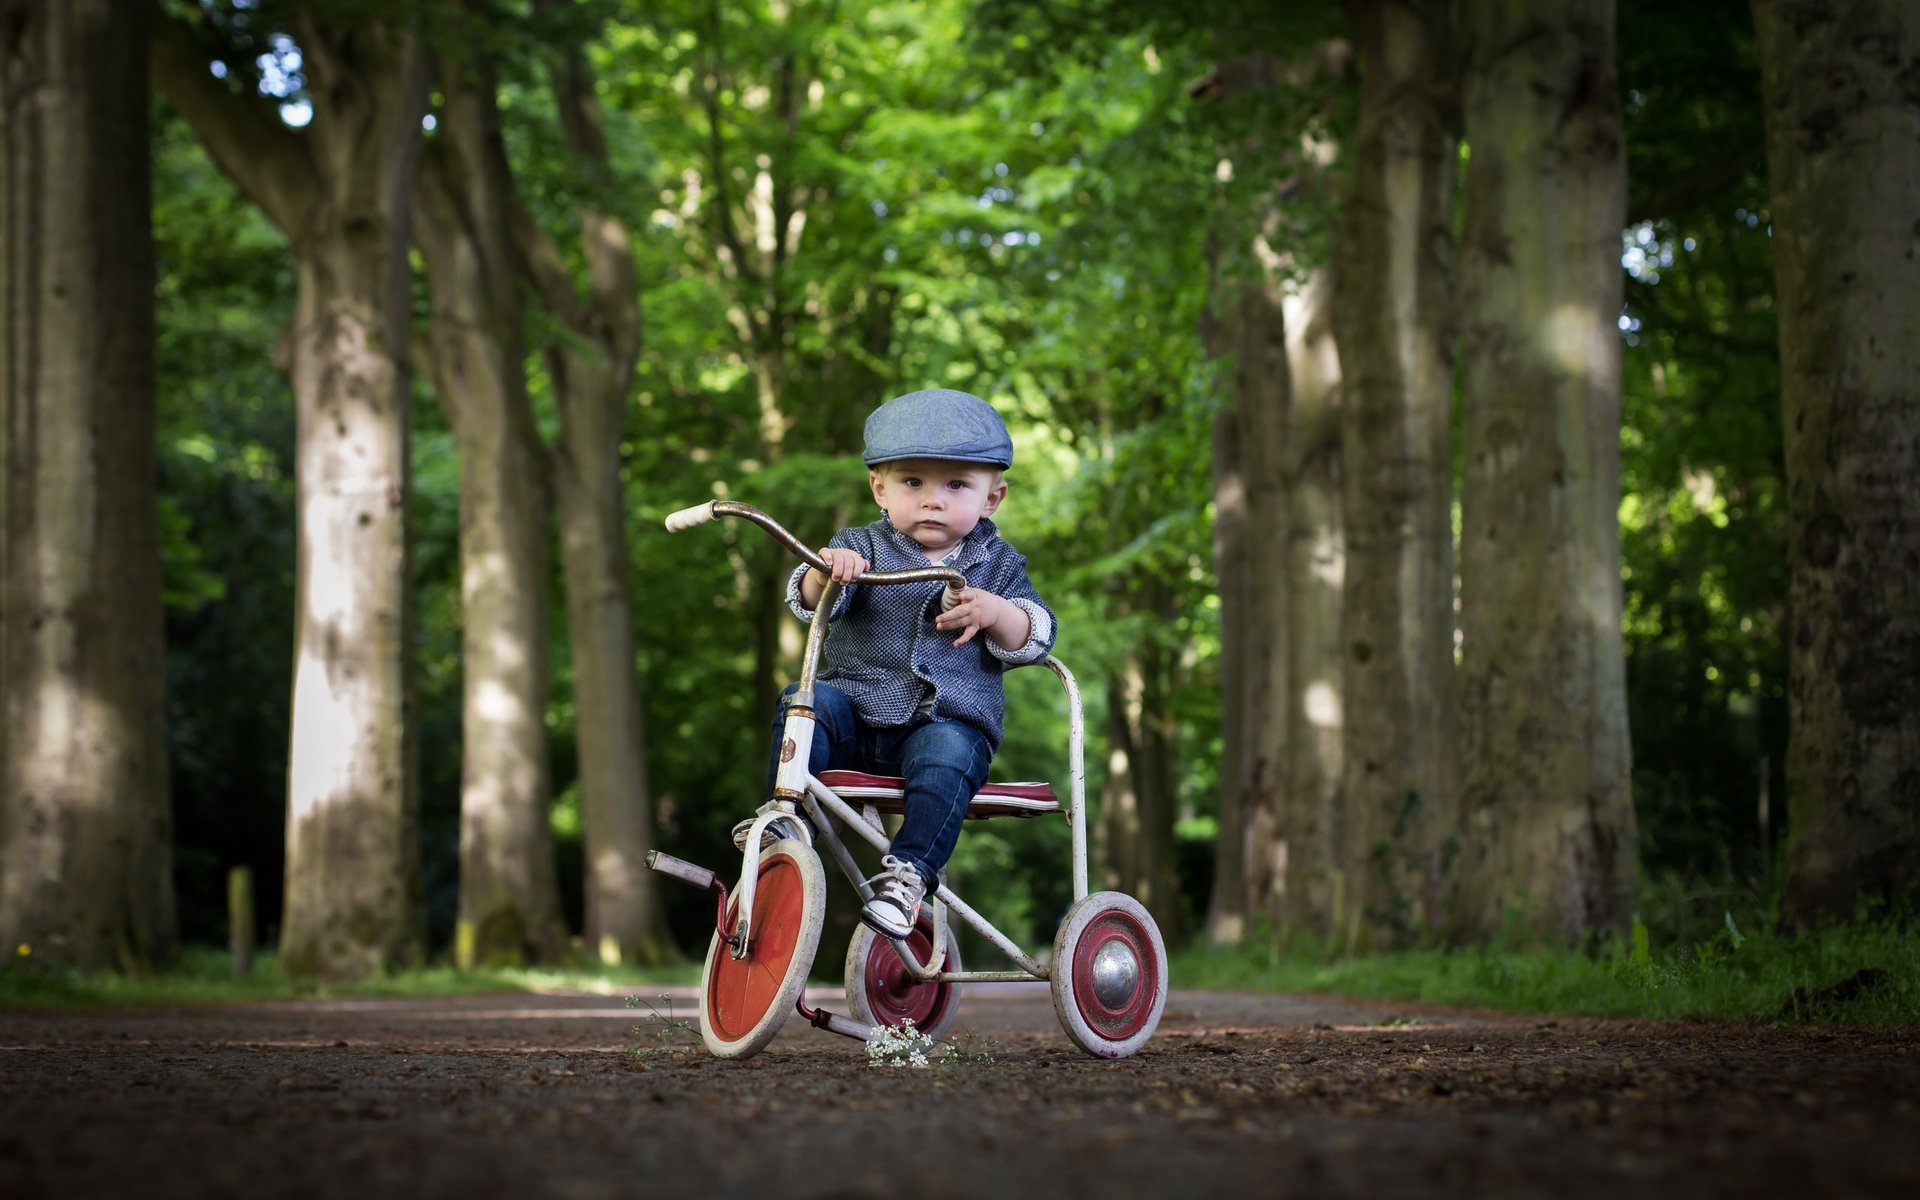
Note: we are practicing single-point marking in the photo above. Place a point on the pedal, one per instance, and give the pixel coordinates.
(681, 869)
(833, 1022)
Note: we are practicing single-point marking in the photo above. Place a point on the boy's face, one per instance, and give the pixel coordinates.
(936, 503)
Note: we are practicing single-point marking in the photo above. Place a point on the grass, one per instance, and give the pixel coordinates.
(1863, 973)
(1866, 972)
(205, 975)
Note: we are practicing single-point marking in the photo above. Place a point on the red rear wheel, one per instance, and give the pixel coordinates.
(881, 992)
(1109, 975)
(744, 1001)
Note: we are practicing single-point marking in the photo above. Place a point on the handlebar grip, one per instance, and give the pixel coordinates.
(680, 869)
(949, 597)
(687, 518)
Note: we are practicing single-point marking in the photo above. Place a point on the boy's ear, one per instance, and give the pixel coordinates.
(878, 483)
(995, 495)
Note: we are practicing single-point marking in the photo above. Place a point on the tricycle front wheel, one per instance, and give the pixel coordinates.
(744, 1001)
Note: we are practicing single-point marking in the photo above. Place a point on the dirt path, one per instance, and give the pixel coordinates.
(1238, 1096)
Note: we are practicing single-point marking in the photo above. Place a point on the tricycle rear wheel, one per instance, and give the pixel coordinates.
(1109, 974)
(881, 992)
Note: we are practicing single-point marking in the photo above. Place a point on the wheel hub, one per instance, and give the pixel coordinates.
(1116, 975)
(893, 994)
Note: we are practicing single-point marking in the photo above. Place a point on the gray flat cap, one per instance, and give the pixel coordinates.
(938, 423)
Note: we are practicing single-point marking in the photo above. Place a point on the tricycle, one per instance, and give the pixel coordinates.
(1108, 966)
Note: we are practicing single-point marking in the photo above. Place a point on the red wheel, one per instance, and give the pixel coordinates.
(1109, 975)
(744, 1001)
(881, 992)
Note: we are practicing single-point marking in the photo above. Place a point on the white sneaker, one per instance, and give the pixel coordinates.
(768, 836)
(740, 834)
(897, 891)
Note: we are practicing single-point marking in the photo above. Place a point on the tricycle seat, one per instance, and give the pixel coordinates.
(886, 793)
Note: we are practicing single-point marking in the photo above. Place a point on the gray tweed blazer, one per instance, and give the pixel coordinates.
(883, 649)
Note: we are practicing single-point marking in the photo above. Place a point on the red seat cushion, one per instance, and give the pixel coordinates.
(886, 793)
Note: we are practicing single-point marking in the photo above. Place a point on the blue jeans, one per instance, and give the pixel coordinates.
(944, 763)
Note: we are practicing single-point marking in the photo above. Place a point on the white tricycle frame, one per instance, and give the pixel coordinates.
(1108, 970)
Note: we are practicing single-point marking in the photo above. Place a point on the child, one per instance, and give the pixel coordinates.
(908, 689)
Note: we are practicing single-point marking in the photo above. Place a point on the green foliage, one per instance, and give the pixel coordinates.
(1865, 973)
(224, 290)
(1027, 201)
(1703, 533)
(935, 251)
(663, 1032)
(437, 641)
(950, 225)
(205, 976)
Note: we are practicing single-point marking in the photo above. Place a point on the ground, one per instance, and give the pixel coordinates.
(1237, 1096)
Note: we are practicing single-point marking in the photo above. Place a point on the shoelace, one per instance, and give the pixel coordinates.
(899, 883)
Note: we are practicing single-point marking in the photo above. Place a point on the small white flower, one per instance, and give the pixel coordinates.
(899, 1046)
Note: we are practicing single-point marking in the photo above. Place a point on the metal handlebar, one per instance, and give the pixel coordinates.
(700, 514)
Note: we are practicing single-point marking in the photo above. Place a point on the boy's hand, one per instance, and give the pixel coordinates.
(843, 565)
(983, 612)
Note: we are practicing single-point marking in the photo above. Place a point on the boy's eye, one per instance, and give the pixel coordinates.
(957, 485)
(912, 481)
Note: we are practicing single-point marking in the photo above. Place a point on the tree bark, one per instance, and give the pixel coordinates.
(592, 376)
(1138, 801)
(1250, 549)
(1117, 848)
(1226, 920)
(1314, 895)
(341, 192)
(1276, 503)
(1843, 151)
(1393, 308)
(1549, 836)
(1136, 840)
(85, 819)
(509, 908)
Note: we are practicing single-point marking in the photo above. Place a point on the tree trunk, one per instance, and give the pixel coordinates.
(1117, 848)
(624, 919)
(85, 821)
(1843, 150)
(1276, 523)
(767, 595)
(341, 191)
(1138, 801)
(1393, 306)
(1250, 540)
(1314, 895)
(1549, 836)
(592, 375)
(1226, 921)
(1157, 767)
(1143, 768)
(509, 909)
(353, 885)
